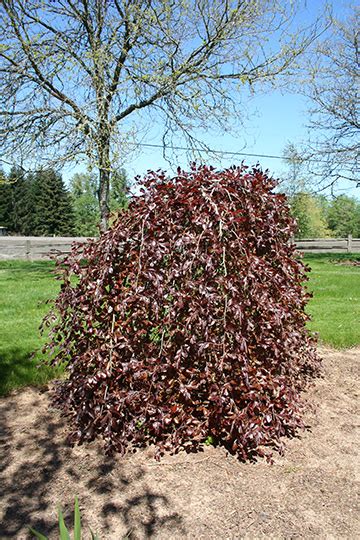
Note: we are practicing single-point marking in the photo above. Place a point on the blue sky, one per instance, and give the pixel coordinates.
(273, 120)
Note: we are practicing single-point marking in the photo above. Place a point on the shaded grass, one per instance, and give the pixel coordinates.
(335, 306)
(24, 289)
(26, 286)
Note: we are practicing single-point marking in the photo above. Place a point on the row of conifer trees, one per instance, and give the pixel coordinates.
(40, 204)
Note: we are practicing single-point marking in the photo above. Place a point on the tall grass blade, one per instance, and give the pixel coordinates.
(37, 534)
(64, 535)
(77, 521)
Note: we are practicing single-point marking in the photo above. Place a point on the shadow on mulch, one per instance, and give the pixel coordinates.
(34, 484)
(24, 485)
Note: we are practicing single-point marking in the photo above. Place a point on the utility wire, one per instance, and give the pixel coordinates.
(222, 152)
(226, 152)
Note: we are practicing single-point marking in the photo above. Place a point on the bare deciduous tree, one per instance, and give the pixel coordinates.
(77, 77)
(334, 91)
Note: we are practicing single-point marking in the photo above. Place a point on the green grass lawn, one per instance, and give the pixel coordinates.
(25, 287)
(335, 306)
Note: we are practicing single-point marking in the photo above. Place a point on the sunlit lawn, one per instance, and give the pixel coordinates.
(335, 307)
(25, 287)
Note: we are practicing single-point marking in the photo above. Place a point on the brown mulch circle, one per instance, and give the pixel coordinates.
(347, 262)
(311, 492)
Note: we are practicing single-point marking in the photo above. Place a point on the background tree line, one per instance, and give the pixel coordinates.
(40, 204)
(319, 216)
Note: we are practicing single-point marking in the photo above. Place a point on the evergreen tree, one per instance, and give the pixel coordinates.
(5, 202)
(24, 206)
(54, 214)
(16, 179)
(3, 178)
(17, 201)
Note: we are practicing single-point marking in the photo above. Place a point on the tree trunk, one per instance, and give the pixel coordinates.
(104, 188)
(104, 185)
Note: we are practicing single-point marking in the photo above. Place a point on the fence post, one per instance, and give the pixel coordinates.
(349, 243)
(28, 250)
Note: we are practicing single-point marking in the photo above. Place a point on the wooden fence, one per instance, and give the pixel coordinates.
(329, 245)
(36, 248)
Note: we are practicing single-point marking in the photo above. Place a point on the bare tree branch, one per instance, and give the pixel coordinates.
(334, 91)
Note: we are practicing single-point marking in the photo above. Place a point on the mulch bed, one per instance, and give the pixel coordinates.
(311, 492)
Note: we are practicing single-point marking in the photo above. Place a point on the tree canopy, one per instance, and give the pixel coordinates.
(309, 215)
(343, 216)
(83, 189)
(333, 88)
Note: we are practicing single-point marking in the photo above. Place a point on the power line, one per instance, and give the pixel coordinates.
(225, 152)
(211, 150)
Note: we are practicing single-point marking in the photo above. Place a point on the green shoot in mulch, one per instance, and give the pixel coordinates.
(25, 287)
(63, 531)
